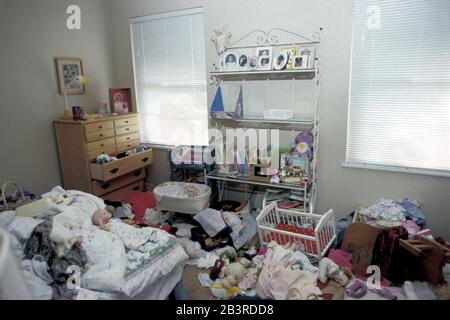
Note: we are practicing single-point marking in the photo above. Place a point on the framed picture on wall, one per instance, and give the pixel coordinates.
(120, 100)
(67, 70)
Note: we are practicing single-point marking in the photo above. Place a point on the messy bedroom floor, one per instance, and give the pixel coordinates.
(382, 252)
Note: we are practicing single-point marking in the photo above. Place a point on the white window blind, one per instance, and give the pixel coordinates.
(170, 77)
(399, 107)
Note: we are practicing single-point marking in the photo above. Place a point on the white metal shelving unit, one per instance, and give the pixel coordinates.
(297, 124)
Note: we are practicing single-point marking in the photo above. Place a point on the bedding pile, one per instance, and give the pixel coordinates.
(65, 256)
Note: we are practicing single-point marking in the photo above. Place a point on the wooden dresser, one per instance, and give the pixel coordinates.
(81, 142)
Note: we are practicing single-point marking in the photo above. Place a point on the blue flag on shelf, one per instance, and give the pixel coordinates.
(217, 105)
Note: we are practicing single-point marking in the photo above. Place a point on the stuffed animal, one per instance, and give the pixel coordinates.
(104, 158)
(303, 144)
(232, 274)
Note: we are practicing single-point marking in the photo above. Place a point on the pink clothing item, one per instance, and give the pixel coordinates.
(262, 251)
(277, 280)
(341, 258)
(411, 227)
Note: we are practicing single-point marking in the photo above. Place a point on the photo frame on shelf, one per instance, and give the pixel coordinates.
(67, 70)
(264, 55)
(120, 100)
(243, 62)
(252, 63)
(264, 52)
(230, 61)
(265, 63)
(310, 52)
(281, 60)
(292, 52)
(301, 62)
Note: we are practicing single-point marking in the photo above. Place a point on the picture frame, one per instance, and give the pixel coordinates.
(263, 51)
(230, 61)
(309, 51)
(243, 62)
(252, 63)
(265, 63)
(301, 62)
(264, 55)
(281, 61)
(67, 69)
(292, 52)
(120, 100)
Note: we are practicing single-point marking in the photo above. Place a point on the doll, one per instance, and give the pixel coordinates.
(101, 218)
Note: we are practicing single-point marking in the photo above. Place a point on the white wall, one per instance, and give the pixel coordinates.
(32, 33)
(341, 189)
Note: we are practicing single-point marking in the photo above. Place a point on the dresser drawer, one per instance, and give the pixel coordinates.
(120, 194)
(101, 188)
(128, 145)
(98, 126)
(100, 144)
(98, 135)
(126, 122)
(115, 169)
(128, 138)
(126, 130)
(92, 155)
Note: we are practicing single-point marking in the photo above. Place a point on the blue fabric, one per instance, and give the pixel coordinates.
(413, 212)
(179, 292)
(341, 226)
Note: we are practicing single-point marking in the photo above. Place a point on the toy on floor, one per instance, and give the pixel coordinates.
(384, 293)
(357, 290)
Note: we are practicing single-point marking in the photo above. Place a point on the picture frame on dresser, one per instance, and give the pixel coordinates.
(120, 100)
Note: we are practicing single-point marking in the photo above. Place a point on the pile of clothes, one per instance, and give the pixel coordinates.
(388, 213)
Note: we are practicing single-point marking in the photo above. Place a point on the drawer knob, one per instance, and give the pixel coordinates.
(115, 170)
(127, 121)
(100, 127)
(102, 145)
(136, 188)
(128, 138)
(127, 129)
(106, 185)
(137, 173)
(101, 135)
(145, 160)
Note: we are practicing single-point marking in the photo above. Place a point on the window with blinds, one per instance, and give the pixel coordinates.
(399, 106)
(170, 77)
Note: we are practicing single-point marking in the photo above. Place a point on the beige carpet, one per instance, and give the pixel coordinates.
(193, 287)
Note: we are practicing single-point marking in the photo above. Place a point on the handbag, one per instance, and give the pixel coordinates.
(13, 201)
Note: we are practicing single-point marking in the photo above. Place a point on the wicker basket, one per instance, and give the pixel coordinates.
(12, 206)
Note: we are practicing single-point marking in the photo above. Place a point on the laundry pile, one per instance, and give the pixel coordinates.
(388, 213)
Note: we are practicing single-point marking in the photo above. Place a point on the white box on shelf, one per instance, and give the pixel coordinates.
(278, 114)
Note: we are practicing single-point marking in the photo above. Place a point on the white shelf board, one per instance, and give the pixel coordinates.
(265, 75)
